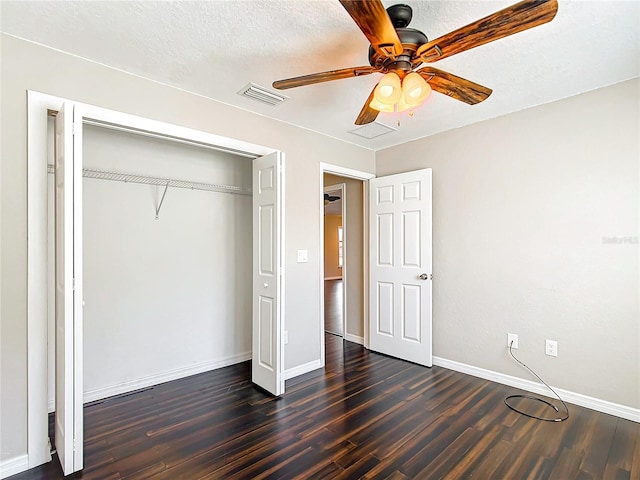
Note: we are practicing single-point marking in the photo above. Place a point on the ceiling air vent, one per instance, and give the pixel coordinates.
(372, 130)
(261, 94)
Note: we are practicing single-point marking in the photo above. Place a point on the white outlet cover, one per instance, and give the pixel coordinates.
(303, 256)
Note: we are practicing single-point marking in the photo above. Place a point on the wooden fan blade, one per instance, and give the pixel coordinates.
(373, 20)
(516, 18)
(323, 77)
(367, 114)
(455, 87)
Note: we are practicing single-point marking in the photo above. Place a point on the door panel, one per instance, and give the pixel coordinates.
(400, 251)
(68, 297)
(385, 239)
(411, 246)
(267, 356)
(411, 313)
(385, 308)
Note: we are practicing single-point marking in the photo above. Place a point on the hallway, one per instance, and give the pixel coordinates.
(333, 307)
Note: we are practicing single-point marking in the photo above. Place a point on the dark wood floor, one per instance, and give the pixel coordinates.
(333, 302)
(364, 416)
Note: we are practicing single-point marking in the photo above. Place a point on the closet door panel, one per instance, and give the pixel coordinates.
(267, 357)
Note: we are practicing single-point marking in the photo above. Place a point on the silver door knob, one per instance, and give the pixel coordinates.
(424, 276)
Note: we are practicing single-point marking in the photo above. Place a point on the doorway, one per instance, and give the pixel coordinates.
(345, 292)
(334, 258)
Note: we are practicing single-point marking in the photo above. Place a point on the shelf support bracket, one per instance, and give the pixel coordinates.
(166, 187)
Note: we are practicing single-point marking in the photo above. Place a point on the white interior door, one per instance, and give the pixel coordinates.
(68, 295)
(400, 266)
(267, 357)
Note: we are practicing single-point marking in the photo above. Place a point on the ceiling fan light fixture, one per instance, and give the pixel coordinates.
(415, 89)
(381, 107)
(404, 105)
(388, 90)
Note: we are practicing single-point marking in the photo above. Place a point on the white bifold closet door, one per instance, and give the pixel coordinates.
(267, 357)
(400, 266)
(68, 291)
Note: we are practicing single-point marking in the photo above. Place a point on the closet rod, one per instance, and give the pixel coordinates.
(147, 180)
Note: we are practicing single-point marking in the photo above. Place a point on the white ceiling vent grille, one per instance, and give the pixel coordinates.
(372, 130)
(261, 94)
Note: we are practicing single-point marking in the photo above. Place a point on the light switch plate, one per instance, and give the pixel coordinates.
(303, 256)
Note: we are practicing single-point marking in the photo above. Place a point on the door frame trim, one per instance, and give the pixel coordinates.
(364, 177)
(39, 107)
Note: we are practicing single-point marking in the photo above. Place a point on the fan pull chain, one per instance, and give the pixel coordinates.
(398, 116)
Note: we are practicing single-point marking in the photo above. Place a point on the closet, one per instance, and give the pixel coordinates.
(167, 268)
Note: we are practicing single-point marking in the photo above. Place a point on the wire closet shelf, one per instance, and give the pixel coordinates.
(160, 181)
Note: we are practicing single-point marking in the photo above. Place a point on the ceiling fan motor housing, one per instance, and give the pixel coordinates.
(411, 40)
(400, 15)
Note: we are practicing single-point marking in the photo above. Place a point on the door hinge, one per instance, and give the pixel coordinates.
(281, 271)
(73, 284)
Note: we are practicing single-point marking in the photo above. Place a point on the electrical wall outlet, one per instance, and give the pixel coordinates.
(551, 348)
(285, 337)
(512, 337)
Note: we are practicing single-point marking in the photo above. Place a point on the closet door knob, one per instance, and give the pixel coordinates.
(424, 276)
(265, 285)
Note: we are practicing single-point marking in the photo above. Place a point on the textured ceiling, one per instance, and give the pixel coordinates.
(215, 48)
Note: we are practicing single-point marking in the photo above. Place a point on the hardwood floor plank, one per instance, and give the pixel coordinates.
(449, 458)
(364, 416)
(623, 444)
(635, 462)
(488, 464)
(596, 443)
(333, 305)
(567, 465)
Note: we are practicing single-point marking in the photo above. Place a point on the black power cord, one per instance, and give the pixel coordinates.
(562, 418)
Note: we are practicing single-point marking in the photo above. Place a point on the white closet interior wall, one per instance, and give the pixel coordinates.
(163, 298)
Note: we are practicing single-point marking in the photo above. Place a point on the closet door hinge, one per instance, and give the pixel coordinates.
(281, 271)
(73, 284)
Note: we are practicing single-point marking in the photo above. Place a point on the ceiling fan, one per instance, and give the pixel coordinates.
(330, 198)
(397, 51)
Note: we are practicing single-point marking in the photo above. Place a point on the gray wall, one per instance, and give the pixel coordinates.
(29, 66)
(523, 206)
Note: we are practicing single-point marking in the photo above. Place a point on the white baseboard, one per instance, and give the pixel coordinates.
(131, 385)
(579, 399)
(14, 465)
(302, 369)
(353, 338)
(333, 278)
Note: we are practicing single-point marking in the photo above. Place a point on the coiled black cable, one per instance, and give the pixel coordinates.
(562, 418)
